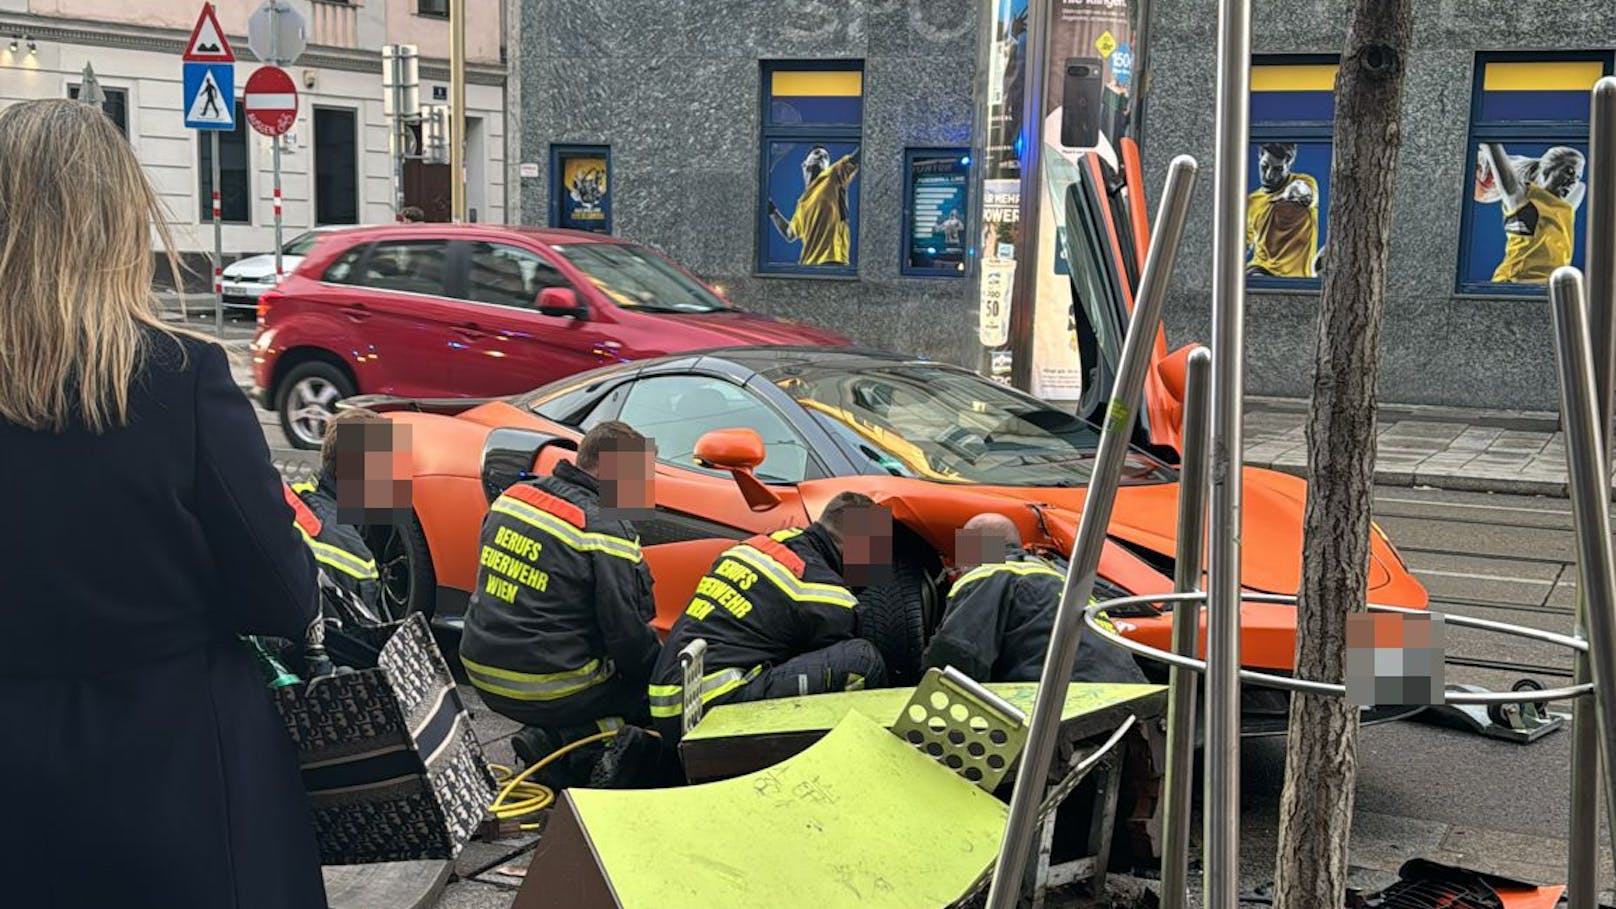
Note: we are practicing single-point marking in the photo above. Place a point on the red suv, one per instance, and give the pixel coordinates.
(465, 310)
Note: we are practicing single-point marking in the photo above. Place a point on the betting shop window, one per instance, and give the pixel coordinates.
(808, 207)
(235, 183)
(1529, 114)
(1288, 171)
(115, 103)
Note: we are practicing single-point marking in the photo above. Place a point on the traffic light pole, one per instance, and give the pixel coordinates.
(457, 114)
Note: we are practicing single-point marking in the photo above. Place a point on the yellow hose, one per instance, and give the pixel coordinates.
(533, 797)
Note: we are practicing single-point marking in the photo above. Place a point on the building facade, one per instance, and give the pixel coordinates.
(703, 115)
(1467, 321)
(336, 163)
(700, 115)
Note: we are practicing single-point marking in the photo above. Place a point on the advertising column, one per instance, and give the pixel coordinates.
(1085, 106)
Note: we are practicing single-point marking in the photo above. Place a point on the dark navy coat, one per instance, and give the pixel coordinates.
(143, 763)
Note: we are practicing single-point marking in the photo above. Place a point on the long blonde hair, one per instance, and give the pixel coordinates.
(76, 220)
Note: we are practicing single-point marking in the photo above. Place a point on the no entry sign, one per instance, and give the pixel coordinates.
(271, 101)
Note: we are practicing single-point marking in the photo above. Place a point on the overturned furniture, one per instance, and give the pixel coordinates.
(866, 814)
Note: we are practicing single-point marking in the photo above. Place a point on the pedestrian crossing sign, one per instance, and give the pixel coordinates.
(210, 96)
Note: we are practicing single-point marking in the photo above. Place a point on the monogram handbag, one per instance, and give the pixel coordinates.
(392, 768)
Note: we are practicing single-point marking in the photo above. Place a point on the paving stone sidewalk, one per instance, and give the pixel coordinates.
(1458, 454)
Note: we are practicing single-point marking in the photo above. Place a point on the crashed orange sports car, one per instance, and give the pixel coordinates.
(756, 439)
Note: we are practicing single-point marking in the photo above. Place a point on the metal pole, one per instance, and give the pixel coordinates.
(1024, 293)
(218, 242)
(1221, 802)
(457, 118)
(1102, 491)
(1581, 876)
(1181, 683)
(1590, 505)
(275, 141)
(981, 134)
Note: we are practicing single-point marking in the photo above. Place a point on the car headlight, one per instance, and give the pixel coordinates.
(268, 279)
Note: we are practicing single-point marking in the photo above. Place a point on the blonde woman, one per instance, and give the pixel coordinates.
(144, 764)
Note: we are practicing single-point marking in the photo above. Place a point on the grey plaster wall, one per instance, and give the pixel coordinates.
(1439, 348)
(672, 86)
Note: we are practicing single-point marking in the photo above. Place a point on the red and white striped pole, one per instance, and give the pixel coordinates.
(218, 243)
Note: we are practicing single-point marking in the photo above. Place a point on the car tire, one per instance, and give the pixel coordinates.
(315, 384)
(893, 616)
(409, 583)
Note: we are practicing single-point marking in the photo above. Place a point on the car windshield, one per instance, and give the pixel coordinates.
(941, 424)
(300, 244)
(637, 278)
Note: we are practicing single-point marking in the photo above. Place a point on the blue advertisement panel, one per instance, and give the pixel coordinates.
(935, 212)
(812, 205)
(1288, 195)
(1522, 244)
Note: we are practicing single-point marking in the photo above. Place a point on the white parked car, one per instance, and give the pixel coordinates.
(245, 280)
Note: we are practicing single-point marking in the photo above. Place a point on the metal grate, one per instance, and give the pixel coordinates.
(963, 726)
(1416, 894)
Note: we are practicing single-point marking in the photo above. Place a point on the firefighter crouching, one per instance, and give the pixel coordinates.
(997, 623)
(350, 437)
(557, 634)
(778, 619)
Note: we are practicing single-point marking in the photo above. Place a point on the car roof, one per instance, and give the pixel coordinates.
(546, 235)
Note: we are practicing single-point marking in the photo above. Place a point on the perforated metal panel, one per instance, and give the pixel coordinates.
(692, 666)
(963, 726)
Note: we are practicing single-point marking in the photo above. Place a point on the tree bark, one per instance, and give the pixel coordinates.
(1321, 759)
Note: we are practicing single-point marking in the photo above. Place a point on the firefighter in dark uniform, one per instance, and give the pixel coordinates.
(778, 619)
(338, 546)
(997, 623)
(557, 634)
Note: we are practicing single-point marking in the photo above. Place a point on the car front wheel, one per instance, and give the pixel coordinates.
(404, 562)
(308, 398)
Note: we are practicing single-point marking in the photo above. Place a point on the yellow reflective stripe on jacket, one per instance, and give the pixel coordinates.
(780, 536)
(305, 486)
(340, 559)
(570, 536)
(669, 700)
(1024, 569)
(532, 686)
(788, 583)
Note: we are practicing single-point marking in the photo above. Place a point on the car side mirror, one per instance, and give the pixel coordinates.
(738, 451)
(509, 455)
(563, 302)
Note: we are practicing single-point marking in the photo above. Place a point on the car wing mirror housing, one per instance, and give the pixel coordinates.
(738, 451)
(563, 302)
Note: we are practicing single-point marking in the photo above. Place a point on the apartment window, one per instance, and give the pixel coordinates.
(439, 8)
(1532, 112)
(235, 183)
(116, 105)
(336, 165)
(1288, 182)
(812, 131)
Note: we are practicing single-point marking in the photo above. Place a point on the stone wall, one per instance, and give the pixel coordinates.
(673, 87)
(1439, 347)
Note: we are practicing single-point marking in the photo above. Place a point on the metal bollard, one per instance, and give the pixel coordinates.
(1221, 809)
(1590, 506)
(1181, 683)
(1102, 492)
(1583, 858)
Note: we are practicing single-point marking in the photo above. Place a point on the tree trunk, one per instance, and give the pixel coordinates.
(1321, 757)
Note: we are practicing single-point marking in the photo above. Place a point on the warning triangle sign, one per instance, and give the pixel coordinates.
(210, 104)
(208, 43)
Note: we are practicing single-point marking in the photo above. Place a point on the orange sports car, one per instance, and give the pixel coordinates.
(755, 439)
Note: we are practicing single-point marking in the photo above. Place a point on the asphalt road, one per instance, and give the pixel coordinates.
(1422, 791)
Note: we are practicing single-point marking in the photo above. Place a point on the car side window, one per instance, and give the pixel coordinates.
(409, 266)
(677, 411)
(508, 275)
(343, 271)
